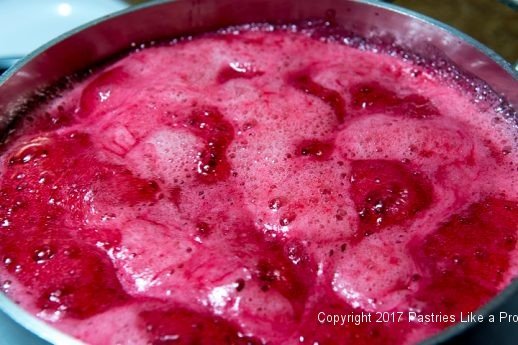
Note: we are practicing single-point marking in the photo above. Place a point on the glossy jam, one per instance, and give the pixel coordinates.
(238, 187)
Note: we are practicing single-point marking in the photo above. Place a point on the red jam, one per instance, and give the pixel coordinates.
(250, 188)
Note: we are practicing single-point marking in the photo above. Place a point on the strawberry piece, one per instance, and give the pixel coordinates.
(387, 193)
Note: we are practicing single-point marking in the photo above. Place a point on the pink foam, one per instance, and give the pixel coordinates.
(224, 181)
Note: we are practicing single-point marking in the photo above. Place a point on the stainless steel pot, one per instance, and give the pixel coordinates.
(101, 39)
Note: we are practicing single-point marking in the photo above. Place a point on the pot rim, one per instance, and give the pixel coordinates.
(51, 334)
(506, 65)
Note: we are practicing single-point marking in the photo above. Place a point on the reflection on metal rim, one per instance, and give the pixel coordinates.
(5, 63)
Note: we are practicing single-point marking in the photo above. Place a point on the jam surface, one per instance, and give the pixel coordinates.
(244, 186)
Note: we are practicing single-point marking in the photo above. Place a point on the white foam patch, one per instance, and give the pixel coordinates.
(120, 325)
(166, 154)
(375, 275)
(148, 253)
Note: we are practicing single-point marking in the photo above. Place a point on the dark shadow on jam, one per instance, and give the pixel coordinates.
(302, 80)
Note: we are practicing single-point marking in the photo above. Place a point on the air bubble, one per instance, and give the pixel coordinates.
(275, 204)
(43, 254)
(6, 285)
(287, 219)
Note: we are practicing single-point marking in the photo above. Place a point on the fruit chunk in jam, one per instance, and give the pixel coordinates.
(387, 193)
(303, 81)
(217, 134)
(469, 252)
(373, 97)
(229, 209)
(182, 326)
